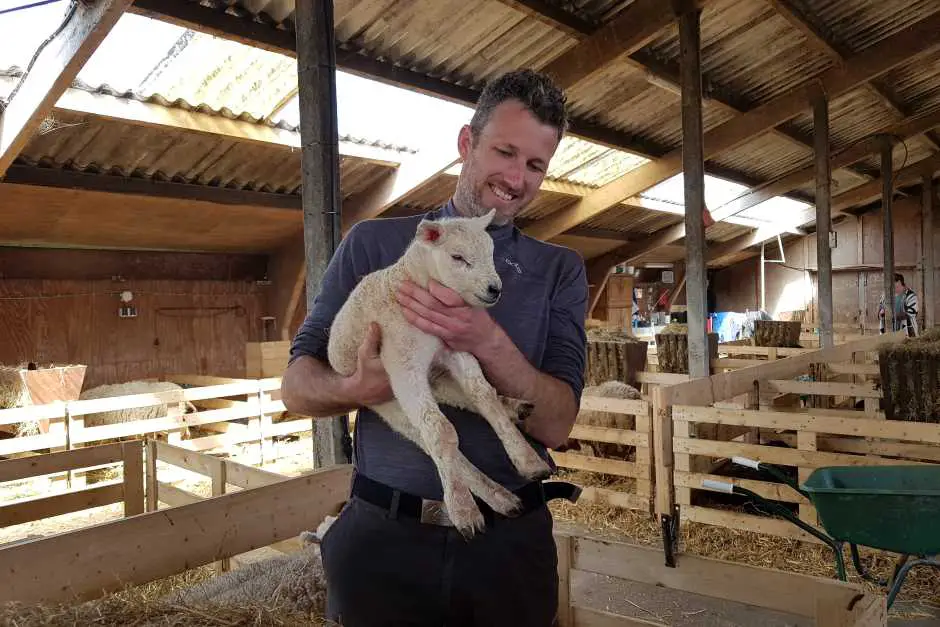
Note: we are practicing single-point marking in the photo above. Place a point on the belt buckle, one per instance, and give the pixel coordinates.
(435, 513)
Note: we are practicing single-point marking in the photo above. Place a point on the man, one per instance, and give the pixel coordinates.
(384, 565)
(905, 308)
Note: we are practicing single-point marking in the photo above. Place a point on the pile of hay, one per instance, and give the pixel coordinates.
(910, 378)
(777, 333)
(672, 348)
(159, 604)
(614, 355)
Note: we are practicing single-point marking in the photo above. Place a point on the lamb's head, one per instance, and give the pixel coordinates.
(459, 255)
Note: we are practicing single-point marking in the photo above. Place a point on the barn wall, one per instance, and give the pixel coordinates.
(182, 326)
(857, 274)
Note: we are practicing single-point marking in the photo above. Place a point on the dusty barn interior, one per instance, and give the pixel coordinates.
(743, 179)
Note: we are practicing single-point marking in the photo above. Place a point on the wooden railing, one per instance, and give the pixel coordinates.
(217, 411)
(129, 489)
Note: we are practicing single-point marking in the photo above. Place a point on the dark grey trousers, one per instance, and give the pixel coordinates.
(400, 572)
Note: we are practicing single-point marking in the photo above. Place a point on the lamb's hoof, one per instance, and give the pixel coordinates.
(504, 502)
(518, 410)
(466, 516)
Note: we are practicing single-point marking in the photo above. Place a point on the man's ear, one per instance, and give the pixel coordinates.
(464, 142)
(430, 233)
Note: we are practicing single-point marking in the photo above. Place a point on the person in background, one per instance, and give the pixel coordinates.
(905, 308)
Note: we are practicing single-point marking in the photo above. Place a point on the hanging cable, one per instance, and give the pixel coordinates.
(28, 6)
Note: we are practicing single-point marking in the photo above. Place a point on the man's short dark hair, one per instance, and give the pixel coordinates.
(899, 278)
(535, 90)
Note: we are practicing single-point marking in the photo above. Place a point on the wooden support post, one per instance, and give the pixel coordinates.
(565, 549)
(887, 190)
(929, 299)
(693, 166)
(823, 217)
(151, 476)
(133, 471)
(316, 76)
(218, 477)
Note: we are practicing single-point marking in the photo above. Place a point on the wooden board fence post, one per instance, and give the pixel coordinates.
(133, 471)
(564, 546)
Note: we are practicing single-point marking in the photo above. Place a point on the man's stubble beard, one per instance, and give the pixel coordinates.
(467, 198)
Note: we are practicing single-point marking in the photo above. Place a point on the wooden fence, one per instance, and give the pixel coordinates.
(219, 409)
(129, 489)
(829, 603)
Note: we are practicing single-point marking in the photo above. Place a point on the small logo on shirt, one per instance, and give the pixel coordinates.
(515, 266)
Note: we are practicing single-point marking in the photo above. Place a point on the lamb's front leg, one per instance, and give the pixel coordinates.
(465, 369)
(407, 372)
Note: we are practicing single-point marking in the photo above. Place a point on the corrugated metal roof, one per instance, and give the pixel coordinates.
(861, 23)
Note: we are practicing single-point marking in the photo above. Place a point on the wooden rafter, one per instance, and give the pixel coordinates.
(56, 66)
(874, 61)
(817, 36)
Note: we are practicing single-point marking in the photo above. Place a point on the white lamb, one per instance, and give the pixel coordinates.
(458, 253)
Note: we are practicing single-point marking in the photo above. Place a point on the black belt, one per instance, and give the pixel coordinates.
(398, 503)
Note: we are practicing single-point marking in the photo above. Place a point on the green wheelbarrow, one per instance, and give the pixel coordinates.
(891, 508)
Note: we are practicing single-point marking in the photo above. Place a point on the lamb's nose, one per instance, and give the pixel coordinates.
(493, 290)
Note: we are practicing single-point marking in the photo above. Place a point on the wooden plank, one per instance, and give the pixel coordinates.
(661, 378)
(174, 496)
(629, 407)
(870, 370)
(778, 455)
(16, 415)
(564, 546)
(814, 421)
(133, 487)
(761, 587)
(58, 63)
(821, 388)
(182, 458)
(823, 199)
(38, 508)
(91, 561)
(28, 443)
(727, 385)
(745, 522)
(248, 477)
(766, 489)
(588, 617)
(599, 464)
(613, 498)
(609, 435)
(23, 468)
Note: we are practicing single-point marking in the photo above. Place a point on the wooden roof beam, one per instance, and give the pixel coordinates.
(55, 67)
(632, 29)
(817, 36)
(911, 42)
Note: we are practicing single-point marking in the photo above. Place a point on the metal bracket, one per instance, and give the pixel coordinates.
(670, 524)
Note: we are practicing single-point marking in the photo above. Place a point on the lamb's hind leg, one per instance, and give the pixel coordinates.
(407, 372)
(492, 493)
(465, 369)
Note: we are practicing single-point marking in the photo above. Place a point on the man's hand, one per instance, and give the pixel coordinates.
(369, 385)
(442, 312)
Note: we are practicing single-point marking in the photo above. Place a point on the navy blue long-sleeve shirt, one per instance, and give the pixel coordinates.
(542, 308)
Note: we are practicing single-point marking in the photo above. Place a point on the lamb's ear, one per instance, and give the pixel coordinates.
(485, 219)
(430, 232)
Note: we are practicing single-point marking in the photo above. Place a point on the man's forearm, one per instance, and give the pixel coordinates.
(508, 370)
(311, 388)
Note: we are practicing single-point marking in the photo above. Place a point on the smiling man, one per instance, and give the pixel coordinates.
(385, 563)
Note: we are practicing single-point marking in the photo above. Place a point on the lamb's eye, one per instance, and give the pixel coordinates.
(458, 258)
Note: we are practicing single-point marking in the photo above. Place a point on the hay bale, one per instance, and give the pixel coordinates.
(127, 389)
(607, 389)
(13, 391)
(777, 333)
(910, 378)
(614, 355)
(672, 348)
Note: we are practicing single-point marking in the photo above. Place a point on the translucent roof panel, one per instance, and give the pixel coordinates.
(377, 111)
(24, 30)
(717, 191)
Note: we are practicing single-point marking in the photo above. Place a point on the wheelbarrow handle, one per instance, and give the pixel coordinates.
(770, 470)
(718, 486)
(744, 461)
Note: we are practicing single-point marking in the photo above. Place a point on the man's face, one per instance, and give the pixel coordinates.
(898, 288)
(504, 169)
